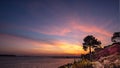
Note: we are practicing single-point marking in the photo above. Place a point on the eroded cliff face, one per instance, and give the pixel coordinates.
(108, 57)
(110, 50)
(111, 61)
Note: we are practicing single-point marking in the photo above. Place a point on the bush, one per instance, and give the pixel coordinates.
(83, 64)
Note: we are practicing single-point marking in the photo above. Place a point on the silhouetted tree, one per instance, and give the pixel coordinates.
(116, 37)
(89, 43)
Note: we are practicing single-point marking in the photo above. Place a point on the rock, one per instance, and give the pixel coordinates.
(97, 64)
(109, 50)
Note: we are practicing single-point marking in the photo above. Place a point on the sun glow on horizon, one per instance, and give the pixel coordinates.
(37, 47)
(55, 27)
(61, 48)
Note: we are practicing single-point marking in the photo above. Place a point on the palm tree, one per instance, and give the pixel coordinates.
(89, 43)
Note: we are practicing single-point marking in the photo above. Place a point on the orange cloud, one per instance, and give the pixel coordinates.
(18, 45)
(60, 47)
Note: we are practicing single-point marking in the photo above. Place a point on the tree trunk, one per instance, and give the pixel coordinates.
(90, 52)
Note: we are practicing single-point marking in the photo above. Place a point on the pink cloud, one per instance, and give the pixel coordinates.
(53, 30)
(71, 27)
(73, 30)
(90, 29)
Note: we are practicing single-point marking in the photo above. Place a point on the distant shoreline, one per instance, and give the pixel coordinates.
(57, 57)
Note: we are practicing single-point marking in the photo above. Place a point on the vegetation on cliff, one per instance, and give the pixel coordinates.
(107, 57)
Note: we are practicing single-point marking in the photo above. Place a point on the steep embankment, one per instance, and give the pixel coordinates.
(107, 51)
(109, 57)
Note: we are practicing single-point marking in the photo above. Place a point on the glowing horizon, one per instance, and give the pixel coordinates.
(55, 27)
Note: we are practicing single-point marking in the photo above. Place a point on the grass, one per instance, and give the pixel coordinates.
(84, 63)
(112, 61)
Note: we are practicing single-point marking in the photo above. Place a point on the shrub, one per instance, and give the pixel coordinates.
(83, 64)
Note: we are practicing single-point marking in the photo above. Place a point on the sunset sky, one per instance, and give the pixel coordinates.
(55, 27)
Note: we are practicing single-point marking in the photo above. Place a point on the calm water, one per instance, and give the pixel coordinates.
(32, 62)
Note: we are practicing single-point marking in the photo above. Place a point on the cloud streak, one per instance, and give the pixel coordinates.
(18, 45)
(71, 27)
(55, 27)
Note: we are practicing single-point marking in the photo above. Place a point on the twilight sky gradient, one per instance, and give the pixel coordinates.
(55, 27)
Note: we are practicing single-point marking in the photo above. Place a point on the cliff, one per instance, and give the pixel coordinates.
(109, 50)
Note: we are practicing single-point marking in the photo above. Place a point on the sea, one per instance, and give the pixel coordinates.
(32, 62)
